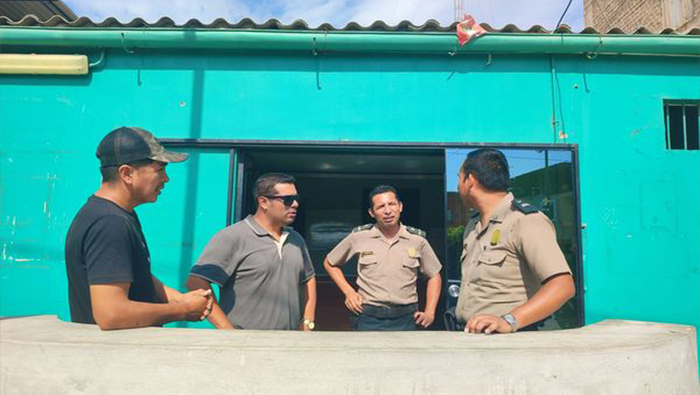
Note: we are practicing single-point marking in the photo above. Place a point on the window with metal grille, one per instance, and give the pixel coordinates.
(681, 120)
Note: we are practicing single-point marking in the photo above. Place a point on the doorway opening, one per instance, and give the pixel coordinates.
(334, 179)
(334, 186)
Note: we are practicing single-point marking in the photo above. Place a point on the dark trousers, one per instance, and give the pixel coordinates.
(395, 318)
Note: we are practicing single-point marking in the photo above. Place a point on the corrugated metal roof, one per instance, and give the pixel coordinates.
(430, 26)
(42, 9)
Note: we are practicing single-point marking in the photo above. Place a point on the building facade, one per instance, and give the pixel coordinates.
(590, 123)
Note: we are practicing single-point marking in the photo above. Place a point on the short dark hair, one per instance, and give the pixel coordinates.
(265, 184)
(378, 190)
(111, 173)
(490, 167)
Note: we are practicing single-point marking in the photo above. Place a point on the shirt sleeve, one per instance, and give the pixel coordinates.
(536, 241)
(429, 262)
(342, 253)
(217, 262)
(309, 271)
(109, 251)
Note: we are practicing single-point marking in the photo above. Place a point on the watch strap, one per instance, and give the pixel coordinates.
(510, 319)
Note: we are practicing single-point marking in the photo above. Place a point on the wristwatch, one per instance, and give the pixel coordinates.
(510, 319)
(309, 323)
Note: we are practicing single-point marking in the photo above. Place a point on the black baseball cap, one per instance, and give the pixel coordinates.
(130, 144)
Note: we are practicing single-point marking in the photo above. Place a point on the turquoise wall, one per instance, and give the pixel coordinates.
(639, 201)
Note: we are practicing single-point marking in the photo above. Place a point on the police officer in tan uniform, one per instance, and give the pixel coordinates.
(513, 272)
(391, 255)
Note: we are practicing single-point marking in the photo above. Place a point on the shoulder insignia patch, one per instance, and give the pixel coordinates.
(415, 231)
(524, 207)
(363, 227)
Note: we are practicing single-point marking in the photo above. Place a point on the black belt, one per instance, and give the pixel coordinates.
(389, 311)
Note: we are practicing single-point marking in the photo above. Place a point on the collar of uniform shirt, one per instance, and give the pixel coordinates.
(403, 233)
(502, 208)
(497, 215)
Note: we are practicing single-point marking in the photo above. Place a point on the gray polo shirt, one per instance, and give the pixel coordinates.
(261, 285)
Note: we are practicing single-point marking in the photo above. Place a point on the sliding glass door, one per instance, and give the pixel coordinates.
(543, 177)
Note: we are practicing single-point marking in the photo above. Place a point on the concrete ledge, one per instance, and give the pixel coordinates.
(42, 355)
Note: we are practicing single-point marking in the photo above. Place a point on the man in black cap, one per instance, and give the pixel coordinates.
(108, 263)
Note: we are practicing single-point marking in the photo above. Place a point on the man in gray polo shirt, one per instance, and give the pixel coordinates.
(261, 265)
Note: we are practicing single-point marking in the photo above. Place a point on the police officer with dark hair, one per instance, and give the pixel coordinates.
(391, 256)
(514, 274)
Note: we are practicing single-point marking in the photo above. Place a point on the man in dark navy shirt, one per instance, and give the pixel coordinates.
(109, 267)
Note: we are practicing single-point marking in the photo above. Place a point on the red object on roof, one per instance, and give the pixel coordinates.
(468, 29)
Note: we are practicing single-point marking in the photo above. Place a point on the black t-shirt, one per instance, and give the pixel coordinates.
(105, 245)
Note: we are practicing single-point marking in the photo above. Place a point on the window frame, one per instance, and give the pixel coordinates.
(682, 103)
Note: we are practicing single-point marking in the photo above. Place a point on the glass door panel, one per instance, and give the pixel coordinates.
(541, 177)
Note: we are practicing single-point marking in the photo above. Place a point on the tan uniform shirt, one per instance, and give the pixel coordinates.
(387, 269)
(505, 262)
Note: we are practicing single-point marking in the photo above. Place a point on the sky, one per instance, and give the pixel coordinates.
(497, 13)
(520, 161)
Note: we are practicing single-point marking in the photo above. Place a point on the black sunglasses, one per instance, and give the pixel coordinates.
(288, 200)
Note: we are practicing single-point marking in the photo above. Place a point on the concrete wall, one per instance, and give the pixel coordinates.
(42, 355)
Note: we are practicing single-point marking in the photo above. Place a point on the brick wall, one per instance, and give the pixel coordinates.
(630, 15)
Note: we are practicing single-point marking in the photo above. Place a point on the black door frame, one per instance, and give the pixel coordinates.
(237, 167)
